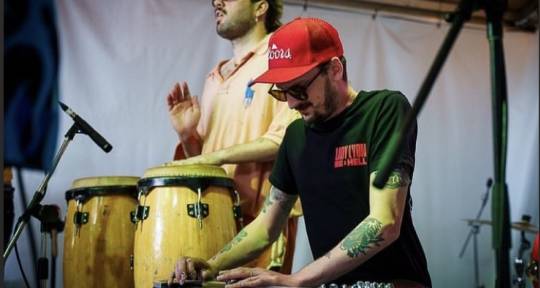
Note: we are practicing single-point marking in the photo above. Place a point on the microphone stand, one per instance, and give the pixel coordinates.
(33, 208)
(475, 229)
(51, 224)
(500, 211)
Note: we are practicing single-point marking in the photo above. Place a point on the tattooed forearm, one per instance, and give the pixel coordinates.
(237, 239)
(282, 199)
(366, 235)
(397, 179)
(327, 255)
(268, 202)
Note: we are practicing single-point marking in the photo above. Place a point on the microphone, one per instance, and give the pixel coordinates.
(87, 129)
(489, 183)
(486, 195)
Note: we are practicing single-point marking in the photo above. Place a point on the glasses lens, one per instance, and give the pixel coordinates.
(278, 94)
(297, 92)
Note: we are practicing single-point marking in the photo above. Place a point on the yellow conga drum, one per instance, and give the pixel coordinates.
(186, 210)
(98, 234)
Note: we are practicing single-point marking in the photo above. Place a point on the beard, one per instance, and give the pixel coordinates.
(235, 28)
(329, 105)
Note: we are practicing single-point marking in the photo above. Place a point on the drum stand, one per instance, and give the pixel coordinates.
(519, 265)
(51, 224)
(475, 228)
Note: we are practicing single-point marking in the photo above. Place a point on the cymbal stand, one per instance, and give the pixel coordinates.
(519, 265)
(475, 229)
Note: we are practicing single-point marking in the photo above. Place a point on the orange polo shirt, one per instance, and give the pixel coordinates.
(233, 113)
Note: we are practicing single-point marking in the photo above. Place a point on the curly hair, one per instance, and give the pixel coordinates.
(273, 15)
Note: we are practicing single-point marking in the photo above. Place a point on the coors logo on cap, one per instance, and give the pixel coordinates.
(299, 46)
(276, 53)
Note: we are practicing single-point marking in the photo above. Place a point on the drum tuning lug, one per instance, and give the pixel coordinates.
(198, 210)
(133, 217)
(80, 218)
(140, 213)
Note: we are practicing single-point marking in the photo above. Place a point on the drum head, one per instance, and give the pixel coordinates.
(192, 176)
(85, 188)
(173, 169)
(105, 181)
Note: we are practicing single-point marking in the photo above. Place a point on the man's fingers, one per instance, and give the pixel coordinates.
(195, 102)
(180, 271)
(192, 272)
(235, 274)
(174, 96)
(185, 91)
(248, 282)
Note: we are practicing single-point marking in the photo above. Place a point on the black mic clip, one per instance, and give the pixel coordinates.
(81, 126)
(50, 218)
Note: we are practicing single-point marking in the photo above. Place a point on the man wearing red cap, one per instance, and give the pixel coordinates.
(359, 235)
(235, 125)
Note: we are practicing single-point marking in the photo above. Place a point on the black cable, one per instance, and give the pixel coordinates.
(24, 202)
(53, 271)
(20, 267)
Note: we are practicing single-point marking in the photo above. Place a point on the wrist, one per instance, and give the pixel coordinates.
(185, 136)
(213, 268)
(303, 278)
(220, 156)
(298, 280)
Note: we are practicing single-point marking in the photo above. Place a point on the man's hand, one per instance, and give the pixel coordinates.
(184, 110)
(188, 268)
(256, 277)
(205, 159)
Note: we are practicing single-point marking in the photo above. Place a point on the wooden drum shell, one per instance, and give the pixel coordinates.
(97, 253)
(168, 232)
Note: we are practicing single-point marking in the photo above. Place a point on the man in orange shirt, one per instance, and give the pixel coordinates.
(235, 125)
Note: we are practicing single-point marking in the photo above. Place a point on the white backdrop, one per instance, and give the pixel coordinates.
(120, 58)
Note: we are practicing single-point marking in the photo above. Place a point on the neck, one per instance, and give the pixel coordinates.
(242, 45)
(347, 97)
(351, 93)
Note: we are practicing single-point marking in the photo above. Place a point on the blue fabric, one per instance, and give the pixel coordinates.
(31, 110)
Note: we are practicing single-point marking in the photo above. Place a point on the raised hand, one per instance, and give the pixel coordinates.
(184, 110)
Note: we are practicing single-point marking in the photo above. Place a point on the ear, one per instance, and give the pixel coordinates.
(335, 69)
(261, 7)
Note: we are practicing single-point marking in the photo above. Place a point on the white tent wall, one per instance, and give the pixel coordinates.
(120, 58)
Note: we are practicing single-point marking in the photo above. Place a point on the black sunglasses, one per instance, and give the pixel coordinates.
(297, 91)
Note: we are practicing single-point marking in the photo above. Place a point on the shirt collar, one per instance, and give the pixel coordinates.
(260, 49)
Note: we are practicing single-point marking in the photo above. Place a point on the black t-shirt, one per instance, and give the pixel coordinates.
(328, 166)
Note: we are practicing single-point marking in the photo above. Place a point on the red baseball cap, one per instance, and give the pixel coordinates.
(299, 46)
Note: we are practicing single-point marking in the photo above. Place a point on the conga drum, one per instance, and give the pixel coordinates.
(187, 210)
(98, 233)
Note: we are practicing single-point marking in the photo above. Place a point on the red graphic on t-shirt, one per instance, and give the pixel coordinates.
(351, 155)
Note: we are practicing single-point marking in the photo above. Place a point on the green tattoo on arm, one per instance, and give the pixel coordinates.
(397, 179)
(267, 203)
(284, 201)
(237, 239)
(366, 235)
